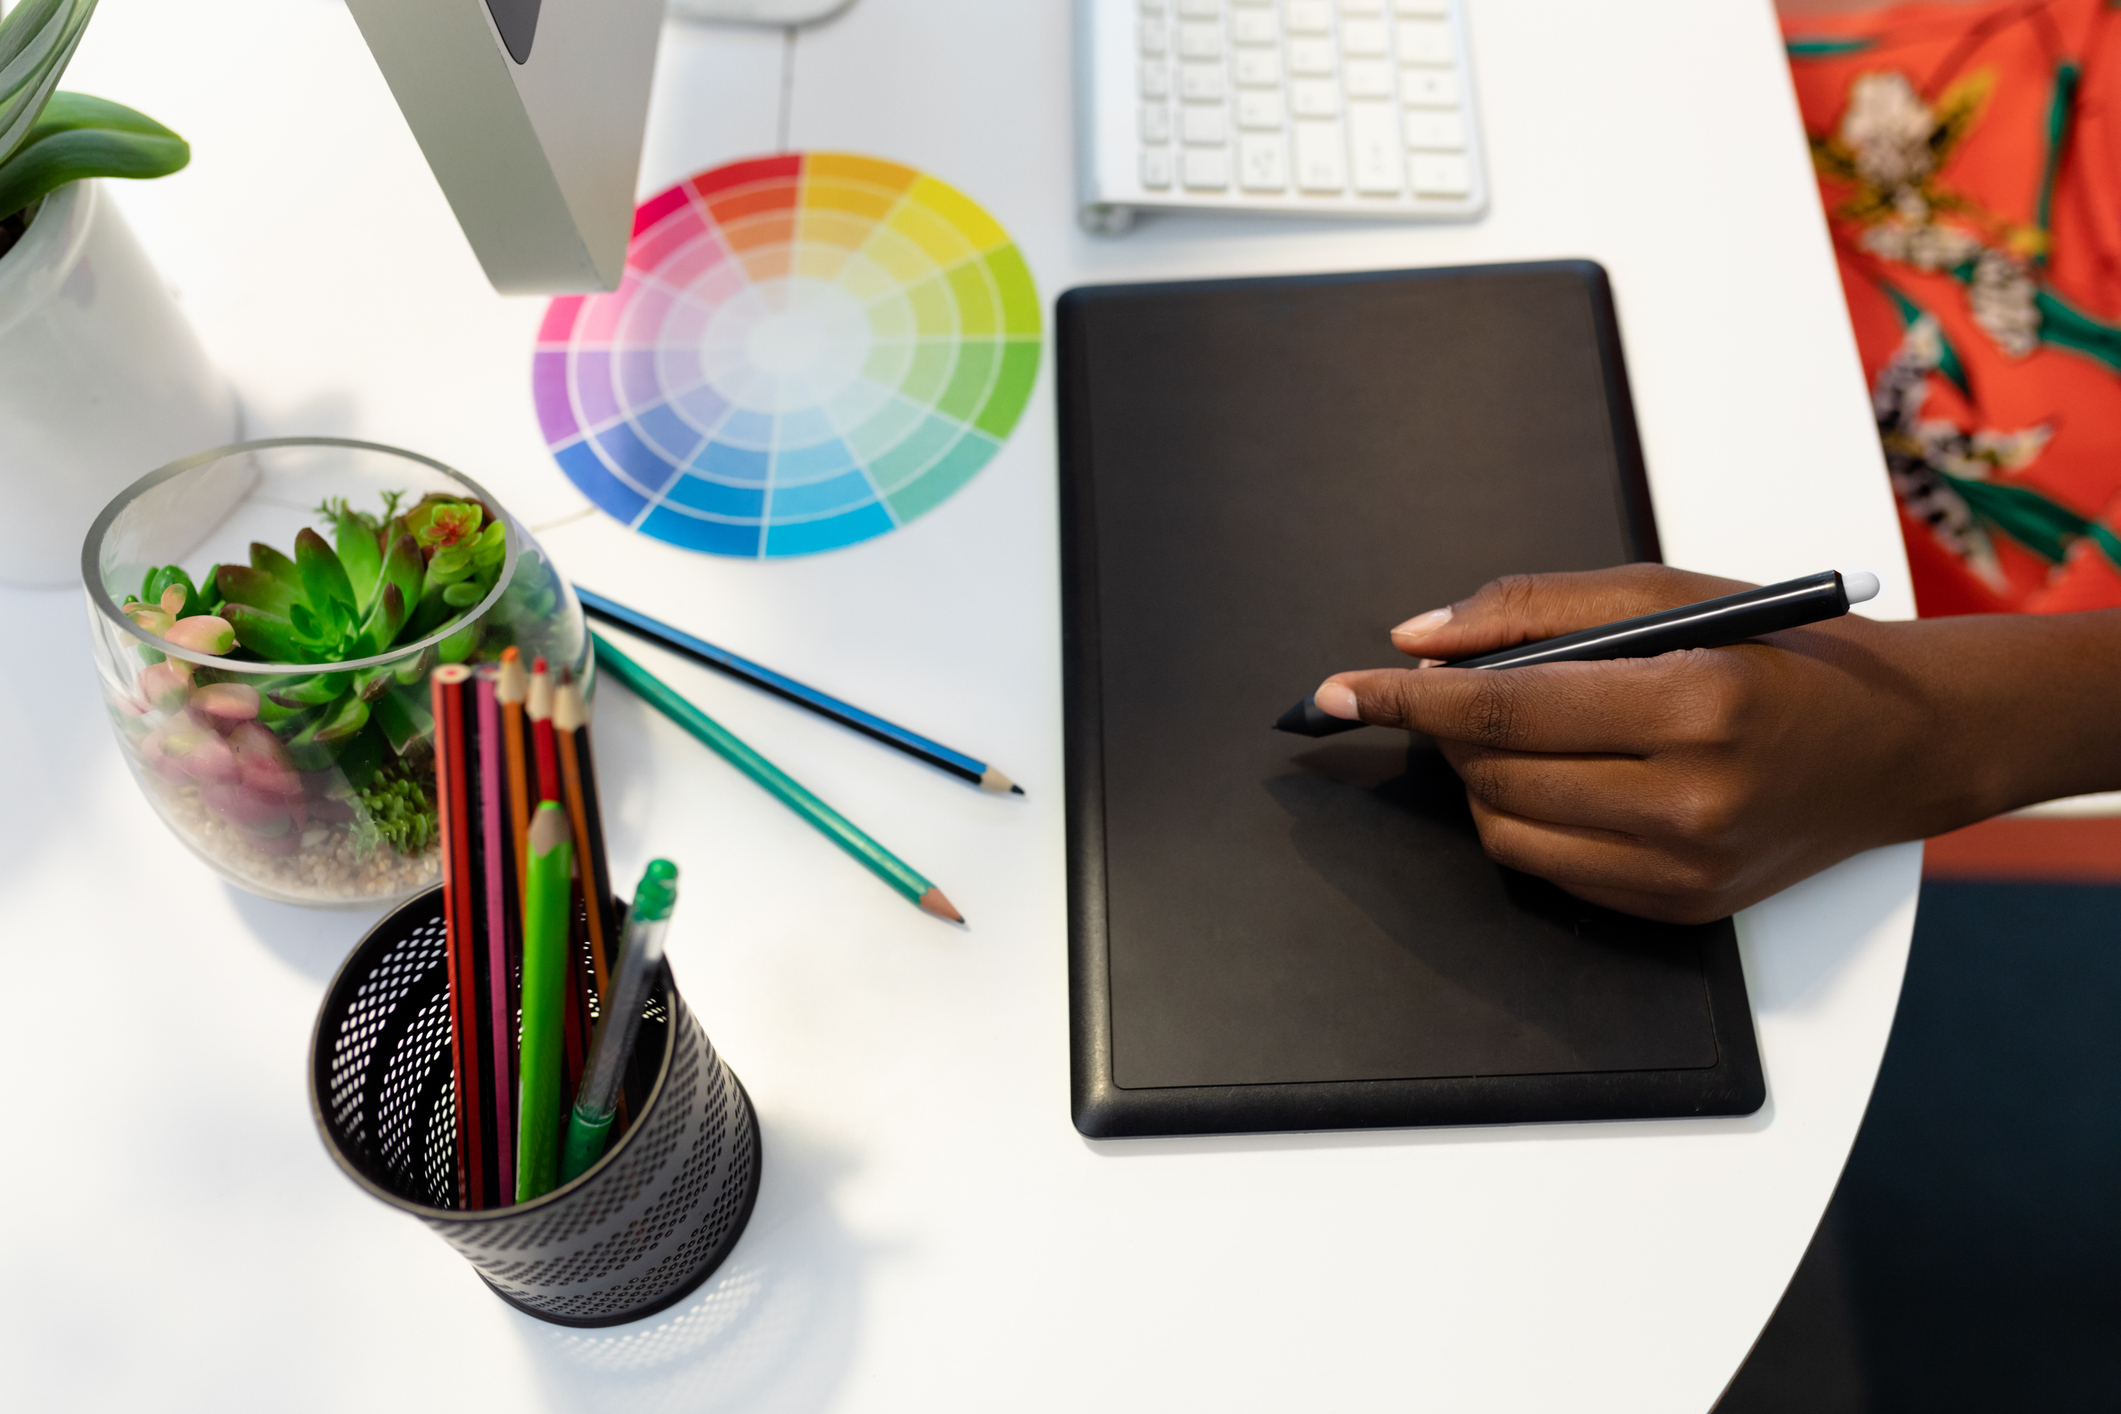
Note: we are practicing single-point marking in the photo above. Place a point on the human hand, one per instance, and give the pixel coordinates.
(1687, 786)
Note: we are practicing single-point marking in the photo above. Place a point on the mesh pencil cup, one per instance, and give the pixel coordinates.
(637, 1232)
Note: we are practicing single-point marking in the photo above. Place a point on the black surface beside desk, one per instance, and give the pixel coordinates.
(1259, 478)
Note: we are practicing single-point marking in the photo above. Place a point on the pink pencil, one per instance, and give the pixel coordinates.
(494, 828)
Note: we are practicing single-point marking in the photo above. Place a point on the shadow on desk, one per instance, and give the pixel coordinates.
(773, 1330)
(1968, 1259)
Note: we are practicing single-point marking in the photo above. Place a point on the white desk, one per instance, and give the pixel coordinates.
(932, 1235)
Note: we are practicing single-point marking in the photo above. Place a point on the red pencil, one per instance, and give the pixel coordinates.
(457, 886)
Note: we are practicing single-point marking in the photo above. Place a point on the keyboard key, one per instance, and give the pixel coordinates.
(1309, 16)
(1428, 88)
(1207, 169)
(1424, 42)
(1310, 56)
(1259, 110)
(1156, 123)
(1258, 68)
(1156, 81)
(1198, 41)
(1367, 78)
(1204, 127)
(1314, 98)
(1262, 162)
(1442, 176)
(1156, 40)
(1362, 37)
(1321, 158)
(1200, 83)
(1254, 27)
(1436, 132)
(1438, 8)
(1373, 143)
(1200, 9)
(1156, 167)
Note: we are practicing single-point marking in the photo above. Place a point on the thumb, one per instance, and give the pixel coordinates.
(1522, 608)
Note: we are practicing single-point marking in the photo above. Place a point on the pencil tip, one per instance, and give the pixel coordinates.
(934, 902)
(1016, 790)
(995, 781)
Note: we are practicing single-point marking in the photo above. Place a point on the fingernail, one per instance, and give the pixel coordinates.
(1335, 700)
(1423, 624)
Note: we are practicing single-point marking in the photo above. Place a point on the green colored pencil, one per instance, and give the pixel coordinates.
(545, 930)
(886, 865)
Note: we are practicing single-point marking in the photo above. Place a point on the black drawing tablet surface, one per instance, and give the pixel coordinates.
(1259, 478)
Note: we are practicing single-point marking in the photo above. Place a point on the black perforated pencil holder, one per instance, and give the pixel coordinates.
(637, 1232)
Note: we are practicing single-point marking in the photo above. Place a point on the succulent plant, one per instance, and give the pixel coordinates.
(48, 138)
(358, 736)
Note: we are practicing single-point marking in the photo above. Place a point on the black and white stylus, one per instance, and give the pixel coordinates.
(1712, 623)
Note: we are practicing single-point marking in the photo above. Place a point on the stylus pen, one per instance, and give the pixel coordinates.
(957, 763)
(1712, 623)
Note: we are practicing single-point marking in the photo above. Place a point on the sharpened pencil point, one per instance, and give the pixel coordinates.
(934, 902)
(1016, 790)
(997, 782)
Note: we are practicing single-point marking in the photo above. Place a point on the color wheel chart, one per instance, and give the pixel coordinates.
(806, 351)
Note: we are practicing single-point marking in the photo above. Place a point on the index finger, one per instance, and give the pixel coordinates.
(1625, 706)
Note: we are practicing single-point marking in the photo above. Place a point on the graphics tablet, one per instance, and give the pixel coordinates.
(1269, 932)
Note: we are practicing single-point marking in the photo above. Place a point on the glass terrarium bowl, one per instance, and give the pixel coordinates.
(284, 733)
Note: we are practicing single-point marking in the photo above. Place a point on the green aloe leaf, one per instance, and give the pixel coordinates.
(37, 39)
(209, 600)
(240, 584)
(429, 614)
(306, 622)
(266, 560)
(384, 621)
(324, 579)
(76, 137)
(266, 634)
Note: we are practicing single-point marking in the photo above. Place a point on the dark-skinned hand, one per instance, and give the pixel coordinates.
(1688, 786)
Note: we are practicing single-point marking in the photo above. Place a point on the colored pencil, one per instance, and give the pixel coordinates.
(596, 1103)
(538, 703)
(513, 686)
(545, 965)
(841, 831)
(570, 726)
(498, 883)
(957, 763)
(460, 940)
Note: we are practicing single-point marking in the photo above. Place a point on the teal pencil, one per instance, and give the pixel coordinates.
(546, 924)
(784, 788)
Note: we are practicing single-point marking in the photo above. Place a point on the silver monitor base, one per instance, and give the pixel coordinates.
(758, 12)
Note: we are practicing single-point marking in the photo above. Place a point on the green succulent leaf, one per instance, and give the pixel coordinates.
(240, 584)
(362, 757)
(313, 691)
(310, 754)
(448, 566)
(491, 549)
(463, 594)
(266, 560)
(459, 646)
(306, 622)
(429, 614)
(266, 634)
(384, 620)
(324, 579)
(163, 577)
(404, 715)
(77, 136)
(359, 553)
(209, 600)
(405, 568)
(342, 724)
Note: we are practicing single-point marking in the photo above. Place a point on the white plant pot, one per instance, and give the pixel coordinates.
(101, 382)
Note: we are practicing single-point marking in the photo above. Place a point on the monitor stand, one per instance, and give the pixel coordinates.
(758, 12)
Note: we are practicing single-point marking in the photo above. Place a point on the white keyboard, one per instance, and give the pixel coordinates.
(1335, 107)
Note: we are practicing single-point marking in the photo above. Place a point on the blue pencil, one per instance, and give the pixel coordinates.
(957, 763)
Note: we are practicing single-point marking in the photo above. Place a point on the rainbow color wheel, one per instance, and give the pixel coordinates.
(806, 351)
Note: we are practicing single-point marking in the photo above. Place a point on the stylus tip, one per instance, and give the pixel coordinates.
(1861, 586)
(1304, 719)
